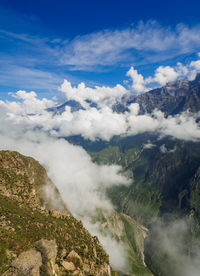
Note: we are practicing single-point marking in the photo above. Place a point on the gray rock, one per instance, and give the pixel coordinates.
(48, 249)
(28, 263)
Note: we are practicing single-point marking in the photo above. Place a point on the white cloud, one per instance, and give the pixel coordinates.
(29, 104)
(82, 184)
(138, 82)
(29, 112)
(195, 64)
(148, 145)
(27, 76)
(163, 75)
(151, 41)
(170, 242)
(140, 44)
(100, 95)
(95, 123)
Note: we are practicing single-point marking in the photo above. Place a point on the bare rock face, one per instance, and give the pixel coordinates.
(48, 250)
(23, 177)
(27, 263)
(35, 261)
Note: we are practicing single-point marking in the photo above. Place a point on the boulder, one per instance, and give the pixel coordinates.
(69, 266)
(28, 263)
(75, 259)
(48, 249)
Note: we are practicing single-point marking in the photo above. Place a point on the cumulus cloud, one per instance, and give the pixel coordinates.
(162, 76)
(100, 95)
(29, 104)
(95, 123)
(138, 82)
(195, 64)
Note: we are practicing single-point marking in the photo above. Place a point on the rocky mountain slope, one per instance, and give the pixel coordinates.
(38, 236)
(171, 99)
(131, 235)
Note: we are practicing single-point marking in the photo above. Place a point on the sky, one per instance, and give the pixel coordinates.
(95, 42)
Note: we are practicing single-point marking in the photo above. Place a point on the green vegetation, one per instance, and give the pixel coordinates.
(23, 221)
(162, 183)
(134, 235)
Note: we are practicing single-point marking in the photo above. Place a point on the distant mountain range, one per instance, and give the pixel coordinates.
(171, 99)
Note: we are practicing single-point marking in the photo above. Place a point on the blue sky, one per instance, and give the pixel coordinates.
(95, 41)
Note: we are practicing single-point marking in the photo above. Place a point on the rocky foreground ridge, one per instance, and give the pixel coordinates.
(38, 236)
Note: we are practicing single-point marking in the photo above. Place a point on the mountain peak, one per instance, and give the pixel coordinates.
(173, 98)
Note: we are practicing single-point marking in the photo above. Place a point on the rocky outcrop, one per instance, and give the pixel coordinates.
(24, 179)
(48, 250)
(36, 239)
(41, 260)
(131, 235)
(27, 263)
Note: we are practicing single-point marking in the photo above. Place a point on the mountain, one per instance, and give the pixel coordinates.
(75, 106)
(173, 98)
(38, 235)
(165, 192)
(131, 235)
(164, 189)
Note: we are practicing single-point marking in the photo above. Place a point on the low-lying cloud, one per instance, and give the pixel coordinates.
(81, 183)
(94, 123)
(174, 242)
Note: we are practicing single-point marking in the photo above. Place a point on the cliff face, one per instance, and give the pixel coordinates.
(25, 181)
(36, 239)
(131, 235)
